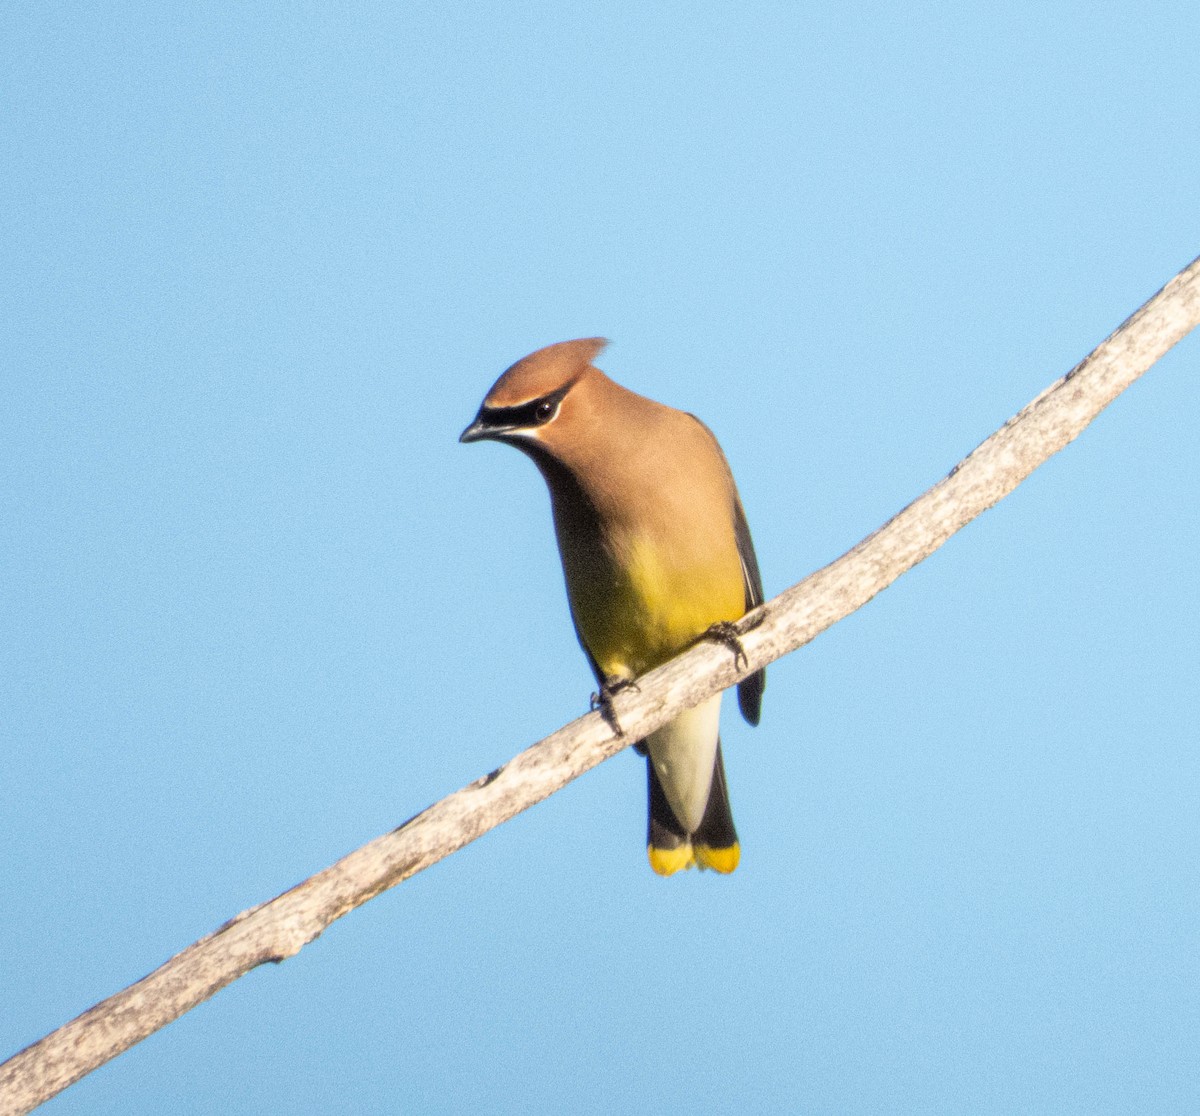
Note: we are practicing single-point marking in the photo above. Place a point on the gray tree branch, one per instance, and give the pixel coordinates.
(278, 929)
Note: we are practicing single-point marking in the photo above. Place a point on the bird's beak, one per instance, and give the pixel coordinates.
(476, 432)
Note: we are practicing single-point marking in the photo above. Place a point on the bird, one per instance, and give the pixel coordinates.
(656, 554)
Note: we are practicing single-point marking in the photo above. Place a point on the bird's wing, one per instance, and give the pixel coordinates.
(750, 689)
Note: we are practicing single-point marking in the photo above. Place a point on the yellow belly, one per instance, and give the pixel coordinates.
(636, 614)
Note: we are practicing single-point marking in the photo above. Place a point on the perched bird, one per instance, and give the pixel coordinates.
(656, 553)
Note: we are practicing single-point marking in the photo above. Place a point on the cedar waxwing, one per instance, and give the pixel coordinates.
(656, 551)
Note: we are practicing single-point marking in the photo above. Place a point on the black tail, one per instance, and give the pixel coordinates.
(714, 844)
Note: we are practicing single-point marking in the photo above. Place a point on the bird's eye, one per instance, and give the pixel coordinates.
(544, 411)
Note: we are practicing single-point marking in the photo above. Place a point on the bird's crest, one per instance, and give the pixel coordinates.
(543, 372)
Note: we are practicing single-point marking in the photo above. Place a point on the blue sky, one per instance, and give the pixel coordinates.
(261, 263)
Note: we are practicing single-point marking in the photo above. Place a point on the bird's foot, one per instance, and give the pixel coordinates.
(603, 701)
(726, 632)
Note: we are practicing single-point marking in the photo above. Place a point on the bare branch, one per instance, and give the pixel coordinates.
(280, 928)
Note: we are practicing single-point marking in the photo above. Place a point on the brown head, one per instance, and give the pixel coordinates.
(523, 405)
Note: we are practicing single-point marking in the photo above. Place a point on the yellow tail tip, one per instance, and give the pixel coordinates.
(719, 860)
(666, 862)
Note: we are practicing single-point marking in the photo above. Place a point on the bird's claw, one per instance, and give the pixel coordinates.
(726, 632)
(603, 701)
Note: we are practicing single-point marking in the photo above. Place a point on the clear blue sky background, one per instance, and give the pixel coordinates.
(261, 262)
